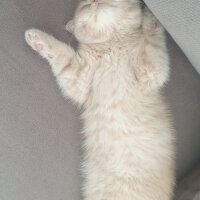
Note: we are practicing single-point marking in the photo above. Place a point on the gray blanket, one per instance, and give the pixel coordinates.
(181, 18)
(189, 188)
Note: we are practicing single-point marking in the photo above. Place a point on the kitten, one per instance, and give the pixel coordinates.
(116, 76)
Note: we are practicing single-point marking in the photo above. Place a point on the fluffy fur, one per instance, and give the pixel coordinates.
(116, 76)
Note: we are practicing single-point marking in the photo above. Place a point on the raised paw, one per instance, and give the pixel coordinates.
(150, 23)
(40, 42)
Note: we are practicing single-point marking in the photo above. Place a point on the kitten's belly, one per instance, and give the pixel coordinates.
(128, 151)
(128, 142)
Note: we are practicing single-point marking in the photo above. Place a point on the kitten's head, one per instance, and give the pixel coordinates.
(98, 21)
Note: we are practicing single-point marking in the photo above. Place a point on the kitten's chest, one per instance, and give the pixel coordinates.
(110, 77)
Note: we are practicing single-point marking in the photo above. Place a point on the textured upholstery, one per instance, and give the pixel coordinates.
(189, 187)
(181, 19)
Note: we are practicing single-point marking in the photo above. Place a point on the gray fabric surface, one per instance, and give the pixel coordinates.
(183, 95)
(40, 141)
(189, 188)
(182, 21)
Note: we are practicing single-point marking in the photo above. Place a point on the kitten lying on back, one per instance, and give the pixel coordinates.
(116, 76)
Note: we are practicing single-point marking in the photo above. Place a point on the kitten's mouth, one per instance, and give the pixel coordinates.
(96, 3)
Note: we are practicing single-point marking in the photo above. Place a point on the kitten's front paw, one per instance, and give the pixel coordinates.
(150, 24)
(38, 40)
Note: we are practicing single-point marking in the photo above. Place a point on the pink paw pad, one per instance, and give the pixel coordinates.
(38, 47)
(50, 56)
(36, 38)
(30, 36)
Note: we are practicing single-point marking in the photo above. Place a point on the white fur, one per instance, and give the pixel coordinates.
(116, 76)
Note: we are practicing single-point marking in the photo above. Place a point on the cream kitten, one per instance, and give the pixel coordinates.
(116, 76)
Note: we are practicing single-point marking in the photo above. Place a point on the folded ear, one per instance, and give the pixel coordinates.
(70, 26)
